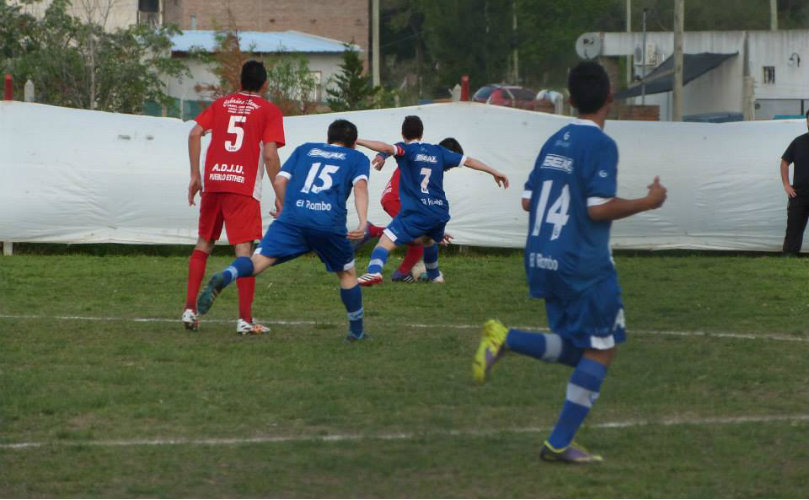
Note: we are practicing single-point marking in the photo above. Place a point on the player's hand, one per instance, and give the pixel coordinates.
(358, 233)
(657, 194)
(501, 179)
(790, 191)
(276, 212)
(194, 187)
(378, 162)
(447, 239)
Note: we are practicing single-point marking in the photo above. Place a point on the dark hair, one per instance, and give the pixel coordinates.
(254, 74)
(807, 115)
(412, 128)
(451, 144)
(343, 132)
(589, 87)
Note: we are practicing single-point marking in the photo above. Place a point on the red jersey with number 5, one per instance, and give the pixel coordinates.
(240, 125)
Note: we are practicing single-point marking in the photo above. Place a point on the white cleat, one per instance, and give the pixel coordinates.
(438, 279)
(190, 320)
(245, 328)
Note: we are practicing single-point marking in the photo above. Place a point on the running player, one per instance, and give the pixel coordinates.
(425, 210)
(246, 132)
(313, 185)
(571, 196)
(392, 204)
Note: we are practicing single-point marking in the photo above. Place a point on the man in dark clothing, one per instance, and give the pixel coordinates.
(798, 192)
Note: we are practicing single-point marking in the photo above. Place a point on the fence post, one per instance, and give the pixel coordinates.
(9, 93)
(8, 248)
(465, 88)
(28, 91)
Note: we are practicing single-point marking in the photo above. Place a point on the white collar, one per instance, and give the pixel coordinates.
(586, 123)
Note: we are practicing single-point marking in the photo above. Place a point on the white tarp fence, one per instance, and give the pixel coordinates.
(74, 176)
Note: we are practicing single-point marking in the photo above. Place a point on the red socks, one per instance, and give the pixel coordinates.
(247, 289)
(196, 271)
(413, 255)
(375, 231)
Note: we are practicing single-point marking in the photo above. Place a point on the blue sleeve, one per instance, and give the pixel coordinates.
(451, 159)
(401, 150)
(533, 177)
(362, 169)
(602, 180)
(289, 165)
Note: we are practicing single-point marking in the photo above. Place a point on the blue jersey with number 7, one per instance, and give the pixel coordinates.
(321, 177)
(421, 183)
(566, 252)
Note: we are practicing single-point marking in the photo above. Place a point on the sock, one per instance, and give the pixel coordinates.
(352, 299)
(247, 289)
(413, 255)
(196, 271)
(548, 347)
(431, 261)
(378, 259)
(242, 267)
(582, 392)
(376, 231)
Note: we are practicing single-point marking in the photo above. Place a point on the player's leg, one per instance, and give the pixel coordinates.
(594, 322)
(797, 213)
(415, 252)
(379, 257)
(209, 229)
(351, 295)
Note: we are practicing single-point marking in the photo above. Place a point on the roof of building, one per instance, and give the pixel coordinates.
(260, 42)
(662, 78)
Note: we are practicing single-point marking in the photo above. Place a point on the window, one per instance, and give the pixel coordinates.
(769, 74)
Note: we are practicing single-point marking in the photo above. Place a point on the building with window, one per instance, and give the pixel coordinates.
(751, 74)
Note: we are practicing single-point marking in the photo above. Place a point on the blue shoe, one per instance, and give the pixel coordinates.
(404, 278)
(209, 294)
(351, 337)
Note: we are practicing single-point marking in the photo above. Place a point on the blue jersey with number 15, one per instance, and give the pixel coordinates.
(567, 252)
(321, 177)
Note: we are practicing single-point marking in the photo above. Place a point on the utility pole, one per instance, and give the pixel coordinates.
(677, 96)
(375, 79)
(515, 42)
(629, 30)
(643, 63)
(774, 15)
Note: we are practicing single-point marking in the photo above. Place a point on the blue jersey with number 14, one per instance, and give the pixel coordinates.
(321, 177)
(567, 252)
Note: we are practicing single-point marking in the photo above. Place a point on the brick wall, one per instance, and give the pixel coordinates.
(344, 20)
(649, 113)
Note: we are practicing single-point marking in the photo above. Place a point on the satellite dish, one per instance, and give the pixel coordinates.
(588, 46)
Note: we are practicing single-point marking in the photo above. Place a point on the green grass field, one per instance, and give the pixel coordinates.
(103, 394)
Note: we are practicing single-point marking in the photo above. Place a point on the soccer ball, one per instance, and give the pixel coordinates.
(418, 269)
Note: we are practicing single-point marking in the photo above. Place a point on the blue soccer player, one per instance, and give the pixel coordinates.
(425, 210)
(313, 184)
(571, 196)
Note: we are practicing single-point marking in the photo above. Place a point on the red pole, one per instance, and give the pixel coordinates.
(465, 88)
(9, 94)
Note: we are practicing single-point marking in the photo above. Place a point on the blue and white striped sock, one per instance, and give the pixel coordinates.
(431, 261)
(548, 347)
(352, 299)
(582, 392)
(378, 259)
(239, 268)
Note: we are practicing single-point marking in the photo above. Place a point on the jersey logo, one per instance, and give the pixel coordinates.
(602, 173)
(558, 162)
(426, 158)
(329, 155)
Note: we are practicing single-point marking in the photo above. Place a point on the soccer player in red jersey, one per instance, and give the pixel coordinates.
(247, 131)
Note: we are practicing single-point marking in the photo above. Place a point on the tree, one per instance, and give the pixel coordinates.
(76, 63)
(291, 85)
(351, 88)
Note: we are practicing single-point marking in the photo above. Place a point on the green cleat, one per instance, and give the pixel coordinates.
(490, 349)
(572, 454)
(209, 294)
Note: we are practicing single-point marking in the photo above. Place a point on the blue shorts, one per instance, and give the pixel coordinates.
(406, 228)
(286, 241)
(593, 320)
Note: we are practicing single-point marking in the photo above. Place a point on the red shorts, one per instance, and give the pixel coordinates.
(391, 204)
(240, 214)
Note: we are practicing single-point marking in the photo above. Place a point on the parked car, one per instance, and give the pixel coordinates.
(512, 96)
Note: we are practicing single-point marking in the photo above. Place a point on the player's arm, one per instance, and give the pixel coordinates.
(272, 164)
(499, 177)
(618, 208)
(279, 185)
(361, 204)
(378, 146)
(194, 151)
(785, 179)
(379, 160)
